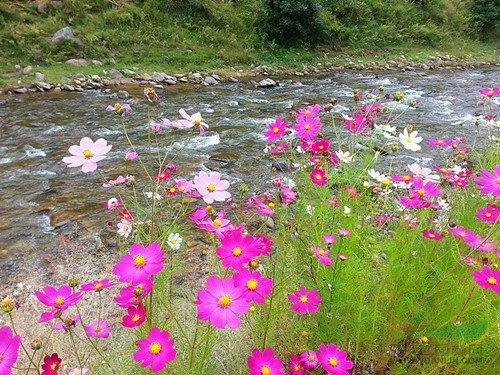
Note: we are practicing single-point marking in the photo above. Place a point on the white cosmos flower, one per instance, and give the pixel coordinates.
(344, 156)
(174, 241)
(386, 128)
(375, 175)
(347, 210)
(124, 228)
(422, 172)
(310, 209)
(410, 141)
(155, 196)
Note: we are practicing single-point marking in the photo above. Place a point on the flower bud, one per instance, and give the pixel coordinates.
(36, 344)
(7, 305)
(72, 282)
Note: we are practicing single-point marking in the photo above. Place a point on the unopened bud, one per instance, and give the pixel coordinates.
(73, 282)
(36, 344)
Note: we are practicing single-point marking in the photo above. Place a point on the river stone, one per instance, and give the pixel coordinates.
(129, 73)
(211, 80)
(27, 69)
(115, 73)
(21, 90)
(232, 79)
(94, 85)
(61, 218)
(63, 35)
(183, 80)
(80, 76)
(3, 224)
(79, 88)
(43, 85)
(95, 78)
(67, 87)
(158, 77)
(45, 207)
(268, 82)
(57, 89)
(170, 82)
(146, 77)
(122, 94)
(39, 76)
(97, 62)
(77, 62)
(196, 77)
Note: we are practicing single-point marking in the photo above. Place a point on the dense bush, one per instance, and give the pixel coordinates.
(486, 15)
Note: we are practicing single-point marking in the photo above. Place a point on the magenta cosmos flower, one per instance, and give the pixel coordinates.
(307, 126)
(97, 285)
(318, 177)
(156, 350)
(489, 214)
(322, 255)
(140, 263)
(295, 366)
(334, 361)
(87, 154)
(256, 287)
(264, 363)
(309, 360)
(51, 364)
(431, 234)
(211, 187)
(237, 249)
(490, 182)
(221, 302)
(487, 278)
(135, 317)
(9, 349)
(99, 329)
(60, 299)
(494, 91)
(276, 130)
(305, 301)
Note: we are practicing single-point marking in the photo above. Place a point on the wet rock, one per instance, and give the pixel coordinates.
(268, 82)
(232, 79)
(233, 103)
(67, 87)
(39, 76)
(212, 165)
(43, 85)
(94, 85)
(60, 218)
(210, 80)
(27, 69)
(158, 86)
(146, 77)
(171, 82)
(183, 80)
(223, 157)
(77, 62)
(45, 207)
(3, 224)
(115, 73)
(21, 90)
(129, 73)
(122, 94)
(64, 35)
(57, 89)
(77, 82)
(217, 77)
(196, 78)
(158, 77)
(95, 78)
(97, 62)
(179, 75)
(80, 76)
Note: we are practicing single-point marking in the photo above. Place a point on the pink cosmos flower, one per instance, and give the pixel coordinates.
(431, 234)
(87, 154)
(334, 361)
(425, 190)
(51, 364)
(155, 128)
(357, 122)
(131, 155)
(276, 130)
(288, 194)
(264, 363)
(219, 225)
(309, 360)
(66, 324)
(487, 278)
(221, 302)
(279, 148)
(113, 204)
(140, 263)
(125, 214)
(440, 142)
(162, 176)
(323, 145)
(329, 239)
(119, 180)
(310, 110)
(305, 301)
(318, 177)
(344, 232)
(342, 257)
(482, 244)
(193, 120)
(211, 187)
(265, 245)
(136, 316)
(9, 349)
(79, 371)
(490, 182)
(413, 200)
(183, 186)
(296, 367)
(490, 91)
(489, 214)
(237, 249)
(322, 255)
(151, 95)
(262, 208)
(256, 287)
(97, 285)
(120, 109)
(60, 299)
(134, 294)
(462, 234)
(156, 350)
(307, 126)
(99, 329)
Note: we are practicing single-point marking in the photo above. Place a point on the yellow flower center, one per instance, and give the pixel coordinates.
(252, 284)
(308, 112)
(125, 228)
(162, 175)
(271, 205)
(265, 370)
(310, 358)
(98, 286)
(97, 328)
(211, 187)
(87, 154)
(498, 180)
(209, 208)
(139, 260)
(333, 361)
(217, 223)
(491, 281)
(296, 368)
(224, 301)
(237, 251)
(155, 348)
(53, 366)
(172, 190)
(431, 235)
(318, 177)
(59, 301)
(321, 147)
(307, 127)
(487, 214)
(462, 234)
(421, 192)
(197, 122)
(385, 182)
(173, 241)
(303, 299)
(406, 178)
(182, 188)
(136, 318)
(409, 140)
(276, 130)
(490, 92)
(118, 106)
(321, 252)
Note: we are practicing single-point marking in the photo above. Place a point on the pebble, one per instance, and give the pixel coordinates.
(122, 94)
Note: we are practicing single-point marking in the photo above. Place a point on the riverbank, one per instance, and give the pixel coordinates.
(90, 74)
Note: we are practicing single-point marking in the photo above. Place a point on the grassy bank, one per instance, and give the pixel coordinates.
(205, 35)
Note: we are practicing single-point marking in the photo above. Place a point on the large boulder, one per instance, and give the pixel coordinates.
(64, 35)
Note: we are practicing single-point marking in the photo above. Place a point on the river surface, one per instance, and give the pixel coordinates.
(41, 197)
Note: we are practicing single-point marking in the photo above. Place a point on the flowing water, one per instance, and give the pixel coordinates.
(41, 197)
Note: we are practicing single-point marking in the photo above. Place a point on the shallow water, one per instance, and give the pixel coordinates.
(39, 191)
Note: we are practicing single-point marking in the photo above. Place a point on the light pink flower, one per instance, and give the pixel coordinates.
(193, 120)
(99, 329)
(124, 228)
(211, 187)
(87, 154)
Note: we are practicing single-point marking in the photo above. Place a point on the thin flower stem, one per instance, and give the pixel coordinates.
(269, 310)
(22, 345)
(75, 348)
(193, 347)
